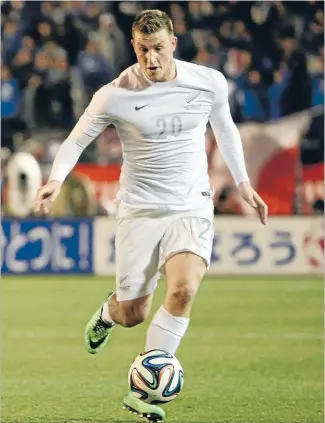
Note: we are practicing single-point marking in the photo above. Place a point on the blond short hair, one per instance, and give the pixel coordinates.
(151, 21)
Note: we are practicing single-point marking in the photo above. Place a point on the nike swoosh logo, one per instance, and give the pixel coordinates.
(96, 344)
(124, 278)
(141, 107)
(191, 98)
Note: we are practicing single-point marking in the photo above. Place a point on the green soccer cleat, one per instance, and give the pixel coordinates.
(97, 332)
(149, 411)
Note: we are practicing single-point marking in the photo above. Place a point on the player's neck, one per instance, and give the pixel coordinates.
(172, 74)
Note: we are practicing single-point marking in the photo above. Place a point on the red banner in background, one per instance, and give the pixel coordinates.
(99, 173)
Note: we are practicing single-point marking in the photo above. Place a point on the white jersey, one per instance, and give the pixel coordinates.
(162, 129)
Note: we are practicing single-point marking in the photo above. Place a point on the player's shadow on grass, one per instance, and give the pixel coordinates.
(100, 420)
(139, 419)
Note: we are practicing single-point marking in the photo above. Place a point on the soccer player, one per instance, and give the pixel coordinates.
(160, 107)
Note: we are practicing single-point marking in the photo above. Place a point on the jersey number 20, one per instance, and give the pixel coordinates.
(171, 126)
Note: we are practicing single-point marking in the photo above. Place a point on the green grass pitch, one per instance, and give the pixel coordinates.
(253, 353)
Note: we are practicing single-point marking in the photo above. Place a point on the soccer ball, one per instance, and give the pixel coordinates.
(156, 377)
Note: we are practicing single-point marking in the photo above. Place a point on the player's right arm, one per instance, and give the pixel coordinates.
(93, 121)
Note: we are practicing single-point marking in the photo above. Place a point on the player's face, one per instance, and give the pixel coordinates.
(155, 54)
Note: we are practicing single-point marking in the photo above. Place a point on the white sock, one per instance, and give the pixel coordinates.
(105, 314)
(166, 331)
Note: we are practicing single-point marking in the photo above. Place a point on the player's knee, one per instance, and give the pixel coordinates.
(183, 293)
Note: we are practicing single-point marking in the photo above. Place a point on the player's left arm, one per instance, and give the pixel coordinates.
(231, 148)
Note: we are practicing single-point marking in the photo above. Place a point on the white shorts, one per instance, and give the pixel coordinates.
(145, 240)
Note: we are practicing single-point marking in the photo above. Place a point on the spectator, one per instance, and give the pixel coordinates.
(95, 71)
(318, 80)
(280, 81)
(200, 14)
(241, 36)
(266, 19)
(22, 66)
(29, 114)
(255, 105)
(176, 12)
(41, 65)
(297, 95)
(53, 50)
(54, 14)
(313, 34)
(111, 42)
(38, 95)
(220, 53)
(10, 106)
(91, 17)
(75, 34)
(10, 94)
(29, 43)
(45, 33)
(186, 48)
(205, 58)
(244, 64)
(27, 14)
(125, 12)
(59, 86)
(11, 40)
(47, 10)
(224, 34)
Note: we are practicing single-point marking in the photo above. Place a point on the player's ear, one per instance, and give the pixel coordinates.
(174, 43)
(133, 44)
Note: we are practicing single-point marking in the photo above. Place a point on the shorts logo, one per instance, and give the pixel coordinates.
(124, 287)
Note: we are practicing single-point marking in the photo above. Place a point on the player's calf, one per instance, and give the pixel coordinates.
(184, 272)
(130, 313)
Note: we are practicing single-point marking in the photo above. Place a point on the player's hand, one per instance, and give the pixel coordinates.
(254, 200)
(46, 196)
